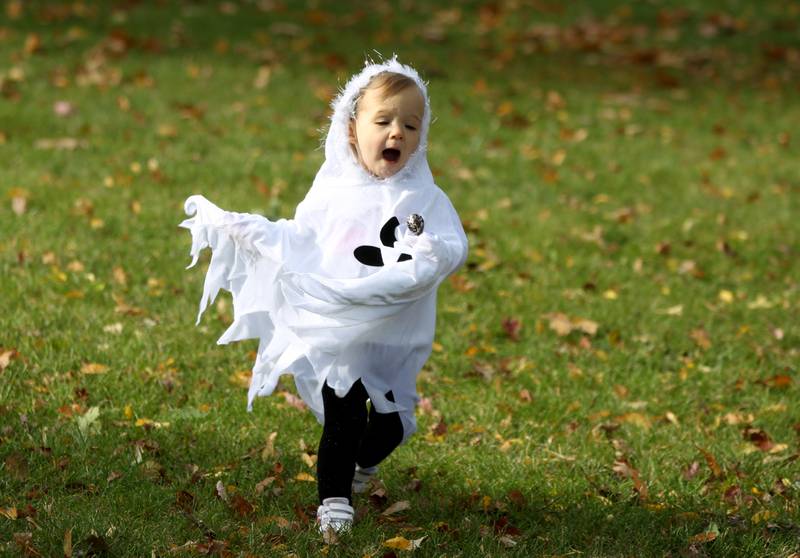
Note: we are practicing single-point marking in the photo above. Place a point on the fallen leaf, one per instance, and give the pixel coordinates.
(440, 429)
(241, 378)
(716, 470)
(293, 400)
(6, 356)
(115, 328)
(67, 543)
(120, 277)
(94, 368)
(511, 327)
(624, 469)
(88, 422)
(701, 338)
(779, 381)
(61, 144)
(507, 541)
(759, 438)
(764, 515)
(269, 448)
(402, 543)
(25, 543)
(222, 492)
(402, 505)
(691, 471)
(241, 506)
(564, 325)
(9, 513)
(676, 310)
(710, 534)
(305, 477)
(63, 108)
(638, 419)
(264, 484)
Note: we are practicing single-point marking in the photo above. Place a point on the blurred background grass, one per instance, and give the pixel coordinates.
(630, 166)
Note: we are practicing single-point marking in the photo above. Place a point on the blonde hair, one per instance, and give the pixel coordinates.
(388, 83)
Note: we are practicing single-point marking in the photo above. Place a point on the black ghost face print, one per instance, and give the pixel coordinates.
(372, 255)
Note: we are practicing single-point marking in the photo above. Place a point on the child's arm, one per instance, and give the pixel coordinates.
(434, 256)
(236, 240)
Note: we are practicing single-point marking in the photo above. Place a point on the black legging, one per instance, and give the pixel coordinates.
(350, 435)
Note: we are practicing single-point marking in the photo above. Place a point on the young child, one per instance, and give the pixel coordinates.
(343, 296)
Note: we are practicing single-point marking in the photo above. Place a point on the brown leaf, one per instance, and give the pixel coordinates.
(25, 543)
(440, 429)
(759, 438)
(701, 338)
(716, 470)
(564, 325)
(517, 498)
(402, 505)
(511, 327)
(691, 470)
(483, 369)
(184, 500)
(67, 546)
(293, 400)
(704, 537)
(241, 506)
(269, 448)
(264, 484)
(779, 381)
(120, 277)
(559, 323)
(732, 493)
(624, 469)
(6, 356)
(95, 545)
(17, 466)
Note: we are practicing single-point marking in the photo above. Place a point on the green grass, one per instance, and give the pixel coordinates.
(608, 165)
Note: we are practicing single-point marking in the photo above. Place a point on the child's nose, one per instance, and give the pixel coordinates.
(396, 131)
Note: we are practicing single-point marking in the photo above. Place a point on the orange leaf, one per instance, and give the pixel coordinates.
(94, 368)
(400, 543)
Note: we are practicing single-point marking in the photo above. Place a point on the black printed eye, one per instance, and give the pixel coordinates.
(372, 255)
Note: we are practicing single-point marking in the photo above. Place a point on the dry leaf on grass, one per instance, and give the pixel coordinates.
(402, 505)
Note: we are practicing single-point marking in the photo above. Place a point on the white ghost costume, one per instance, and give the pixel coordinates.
(319, 313)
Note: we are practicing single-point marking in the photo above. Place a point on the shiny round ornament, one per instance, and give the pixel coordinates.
(415, 224)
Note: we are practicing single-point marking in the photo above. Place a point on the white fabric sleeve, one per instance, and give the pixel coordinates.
(238, 241)
(434, 257)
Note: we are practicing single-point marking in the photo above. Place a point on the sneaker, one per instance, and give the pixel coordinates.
(362, 479)
(335, 514)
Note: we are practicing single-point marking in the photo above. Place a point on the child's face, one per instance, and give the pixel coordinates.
(385, 131)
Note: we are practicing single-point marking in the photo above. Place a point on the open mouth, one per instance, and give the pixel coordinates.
(391, 155)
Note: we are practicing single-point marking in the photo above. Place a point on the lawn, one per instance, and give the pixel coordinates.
(616, 367)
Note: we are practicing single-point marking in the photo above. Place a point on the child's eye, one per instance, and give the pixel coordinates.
(410, 127)
(381, 123)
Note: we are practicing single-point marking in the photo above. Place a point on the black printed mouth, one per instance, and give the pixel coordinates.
(391, 155)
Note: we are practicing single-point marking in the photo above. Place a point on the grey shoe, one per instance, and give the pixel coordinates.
(363, 477)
